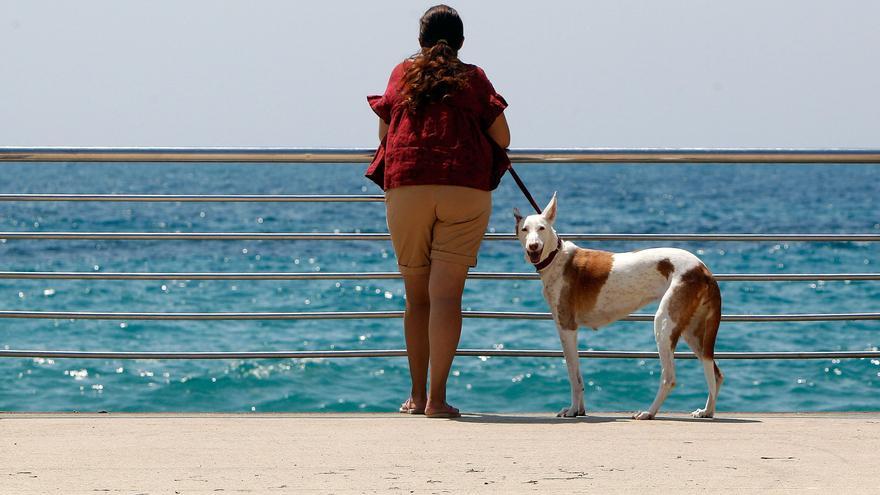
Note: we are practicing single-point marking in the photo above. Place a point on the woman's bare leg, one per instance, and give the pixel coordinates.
(415, 329)
(445, 286)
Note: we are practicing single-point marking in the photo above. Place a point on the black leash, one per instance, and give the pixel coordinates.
(524, 189)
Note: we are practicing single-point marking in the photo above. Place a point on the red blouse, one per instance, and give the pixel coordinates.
(445, 142)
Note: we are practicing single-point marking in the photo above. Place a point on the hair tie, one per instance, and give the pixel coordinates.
(441, 40)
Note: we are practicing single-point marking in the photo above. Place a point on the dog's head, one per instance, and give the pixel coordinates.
(536, 231)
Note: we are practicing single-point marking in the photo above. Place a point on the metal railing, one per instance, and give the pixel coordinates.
(368, 315)
(357, 236)
(295, 155)
(721, 277)
(362, 155)
(402, 353)
(201, 198)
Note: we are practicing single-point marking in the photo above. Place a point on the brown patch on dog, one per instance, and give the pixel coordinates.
(665, 267)
(585, 272)
(697, 290)
(713, 319)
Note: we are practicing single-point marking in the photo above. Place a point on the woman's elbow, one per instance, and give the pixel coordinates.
(500, 132)
(501, 137)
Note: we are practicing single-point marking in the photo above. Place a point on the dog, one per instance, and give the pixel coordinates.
(594, 288)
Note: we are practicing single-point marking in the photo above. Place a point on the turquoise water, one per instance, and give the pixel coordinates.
(607, 198)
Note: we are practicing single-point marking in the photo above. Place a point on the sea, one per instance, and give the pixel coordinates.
(593, 198)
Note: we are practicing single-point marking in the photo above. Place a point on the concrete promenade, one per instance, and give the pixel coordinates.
(478, 453)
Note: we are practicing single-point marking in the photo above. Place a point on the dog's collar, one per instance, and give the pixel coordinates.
(544, 263)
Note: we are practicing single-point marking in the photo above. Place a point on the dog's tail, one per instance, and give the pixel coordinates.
(713, 314)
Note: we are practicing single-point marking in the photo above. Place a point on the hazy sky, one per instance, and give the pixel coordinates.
(615, 73)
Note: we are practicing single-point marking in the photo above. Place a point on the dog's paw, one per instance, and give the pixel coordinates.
(571, 412)
(702, 413)
(643, 415)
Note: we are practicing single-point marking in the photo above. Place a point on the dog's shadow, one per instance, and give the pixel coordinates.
(590, 418)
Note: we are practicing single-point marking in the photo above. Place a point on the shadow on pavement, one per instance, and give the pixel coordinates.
(589, 418)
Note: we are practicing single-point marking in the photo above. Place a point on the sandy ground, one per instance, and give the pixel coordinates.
(395, 453)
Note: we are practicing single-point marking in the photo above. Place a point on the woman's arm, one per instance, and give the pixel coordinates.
(498, 131)
(383, 129)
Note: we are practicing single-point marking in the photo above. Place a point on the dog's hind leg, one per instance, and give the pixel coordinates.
(701, 339)
(667, 337)
(570, 351)
(713, 380)
(713, 374)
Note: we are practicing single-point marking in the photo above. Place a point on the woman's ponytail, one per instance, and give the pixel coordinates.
(441, 49)
(435, 72)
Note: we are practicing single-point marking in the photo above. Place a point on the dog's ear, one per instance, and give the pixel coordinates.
(517, 215)
(549, 212)
(519, 218)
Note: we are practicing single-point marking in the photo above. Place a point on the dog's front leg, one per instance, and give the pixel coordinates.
(570, 351)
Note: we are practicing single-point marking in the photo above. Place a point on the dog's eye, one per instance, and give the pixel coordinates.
(524, 229)
(541, 227)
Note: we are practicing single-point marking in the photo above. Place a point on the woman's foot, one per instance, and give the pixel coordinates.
(445, 411)
(410, 406)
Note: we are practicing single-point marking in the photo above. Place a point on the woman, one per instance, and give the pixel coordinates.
(442, 129)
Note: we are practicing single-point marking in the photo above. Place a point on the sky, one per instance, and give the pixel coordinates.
(576, 73)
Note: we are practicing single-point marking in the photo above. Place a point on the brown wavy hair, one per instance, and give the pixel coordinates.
(435, 72)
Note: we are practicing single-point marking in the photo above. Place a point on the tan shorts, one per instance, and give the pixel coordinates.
(436, 222)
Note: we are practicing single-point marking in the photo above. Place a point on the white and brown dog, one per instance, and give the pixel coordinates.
(595, 288)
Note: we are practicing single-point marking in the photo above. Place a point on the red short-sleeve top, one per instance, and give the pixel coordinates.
(444, 142)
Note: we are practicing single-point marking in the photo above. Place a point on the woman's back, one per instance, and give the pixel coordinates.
(443, 141)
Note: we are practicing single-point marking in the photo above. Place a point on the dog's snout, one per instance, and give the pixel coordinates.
(533, 246)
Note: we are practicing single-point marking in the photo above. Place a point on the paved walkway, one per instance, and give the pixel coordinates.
(394, 453)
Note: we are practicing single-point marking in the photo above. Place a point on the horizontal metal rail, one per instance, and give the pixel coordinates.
(350, 315)
(202, 198)
(402, 352)
(724, 277)
(362, 155)
(348, 236)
